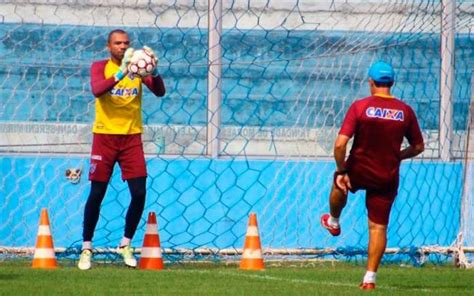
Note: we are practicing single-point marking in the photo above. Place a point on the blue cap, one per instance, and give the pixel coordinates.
(382, 72)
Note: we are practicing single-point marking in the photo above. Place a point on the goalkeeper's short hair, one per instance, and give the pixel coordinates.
(113, 32)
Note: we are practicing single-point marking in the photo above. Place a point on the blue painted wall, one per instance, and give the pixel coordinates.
(200, 202)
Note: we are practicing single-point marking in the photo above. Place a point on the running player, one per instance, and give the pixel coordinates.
(378, 123)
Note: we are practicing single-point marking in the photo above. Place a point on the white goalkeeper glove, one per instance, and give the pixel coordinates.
(150, 51)
(123, 70)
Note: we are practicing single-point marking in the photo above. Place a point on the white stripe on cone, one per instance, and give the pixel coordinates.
(44, 253)
(151, 252)
(151, 229)
(252, 231)
(252, 254)
(44, 230)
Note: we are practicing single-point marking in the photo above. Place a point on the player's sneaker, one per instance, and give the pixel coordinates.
(127, 255)
(367, 286)
(335, 231)
(85, 260)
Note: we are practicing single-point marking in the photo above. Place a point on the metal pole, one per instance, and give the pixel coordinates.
(466, 224)
(214, 78)
(447, 78)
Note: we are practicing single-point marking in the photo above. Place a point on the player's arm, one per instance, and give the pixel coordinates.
(341, 178)
(346, 132)
(412, 151)
(415, 138)
(99, 84)
(340, 147)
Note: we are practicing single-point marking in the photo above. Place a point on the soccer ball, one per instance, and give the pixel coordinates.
(141, 63)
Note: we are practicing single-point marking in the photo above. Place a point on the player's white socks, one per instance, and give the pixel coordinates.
(124, 242)
(87, 245)
(334, 222)
(369, 277)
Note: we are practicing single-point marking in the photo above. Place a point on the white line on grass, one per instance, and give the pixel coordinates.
(299, 281)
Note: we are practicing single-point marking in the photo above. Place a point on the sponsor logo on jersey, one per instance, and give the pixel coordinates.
(124, 92)
(383, 113)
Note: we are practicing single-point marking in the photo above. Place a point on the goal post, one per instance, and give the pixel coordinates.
(465, 241)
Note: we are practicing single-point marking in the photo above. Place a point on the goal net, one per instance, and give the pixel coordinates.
(256, 93)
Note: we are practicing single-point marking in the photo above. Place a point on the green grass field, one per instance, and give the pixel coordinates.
(321, 278)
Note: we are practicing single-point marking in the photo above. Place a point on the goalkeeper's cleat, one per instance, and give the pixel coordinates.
(127, 254)
(367, 286)
(85, 260)
(334, 231)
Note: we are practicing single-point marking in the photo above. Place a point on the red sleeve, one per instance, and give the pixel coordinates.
(350, 122)
(100, 85)
(413, 133)
(155, 84)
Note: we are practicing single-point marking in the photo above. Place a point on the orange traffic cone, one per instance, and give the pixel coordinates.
(252, 253)
(44, 251)
(151, 251)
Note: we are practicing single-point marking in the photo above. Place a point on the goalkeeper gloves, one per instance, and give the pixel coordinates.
(150, 51)
(123, 70)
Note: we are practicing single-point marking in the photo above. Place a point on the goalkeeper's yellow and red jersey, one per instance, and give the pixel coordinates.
(118, 104)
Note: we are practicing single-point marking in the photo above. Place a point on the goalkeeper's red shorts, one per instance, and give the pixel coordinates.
(127, 150)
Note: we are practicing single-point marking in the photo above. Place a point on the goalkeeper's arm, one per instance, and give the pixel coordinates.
(155, 84)
(99, 84)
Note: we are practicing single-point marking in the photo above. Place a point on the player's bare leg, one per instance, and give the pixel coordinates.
(377, 244)
(337, 201)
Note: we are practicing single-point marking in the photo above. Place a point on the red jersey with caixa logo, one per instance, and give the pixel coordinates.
(378, 124)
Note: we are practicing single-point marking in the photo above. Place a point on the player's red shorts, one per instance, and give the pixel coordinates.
(379, 205)
(127, 150)
(378, 199)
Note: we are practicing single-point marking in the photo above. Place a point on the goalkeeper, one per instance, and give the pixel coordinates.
(378, 123)
(117, 133)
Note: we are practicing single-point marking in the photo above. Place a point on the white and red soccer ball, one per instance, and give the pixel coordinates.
(141, 63)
